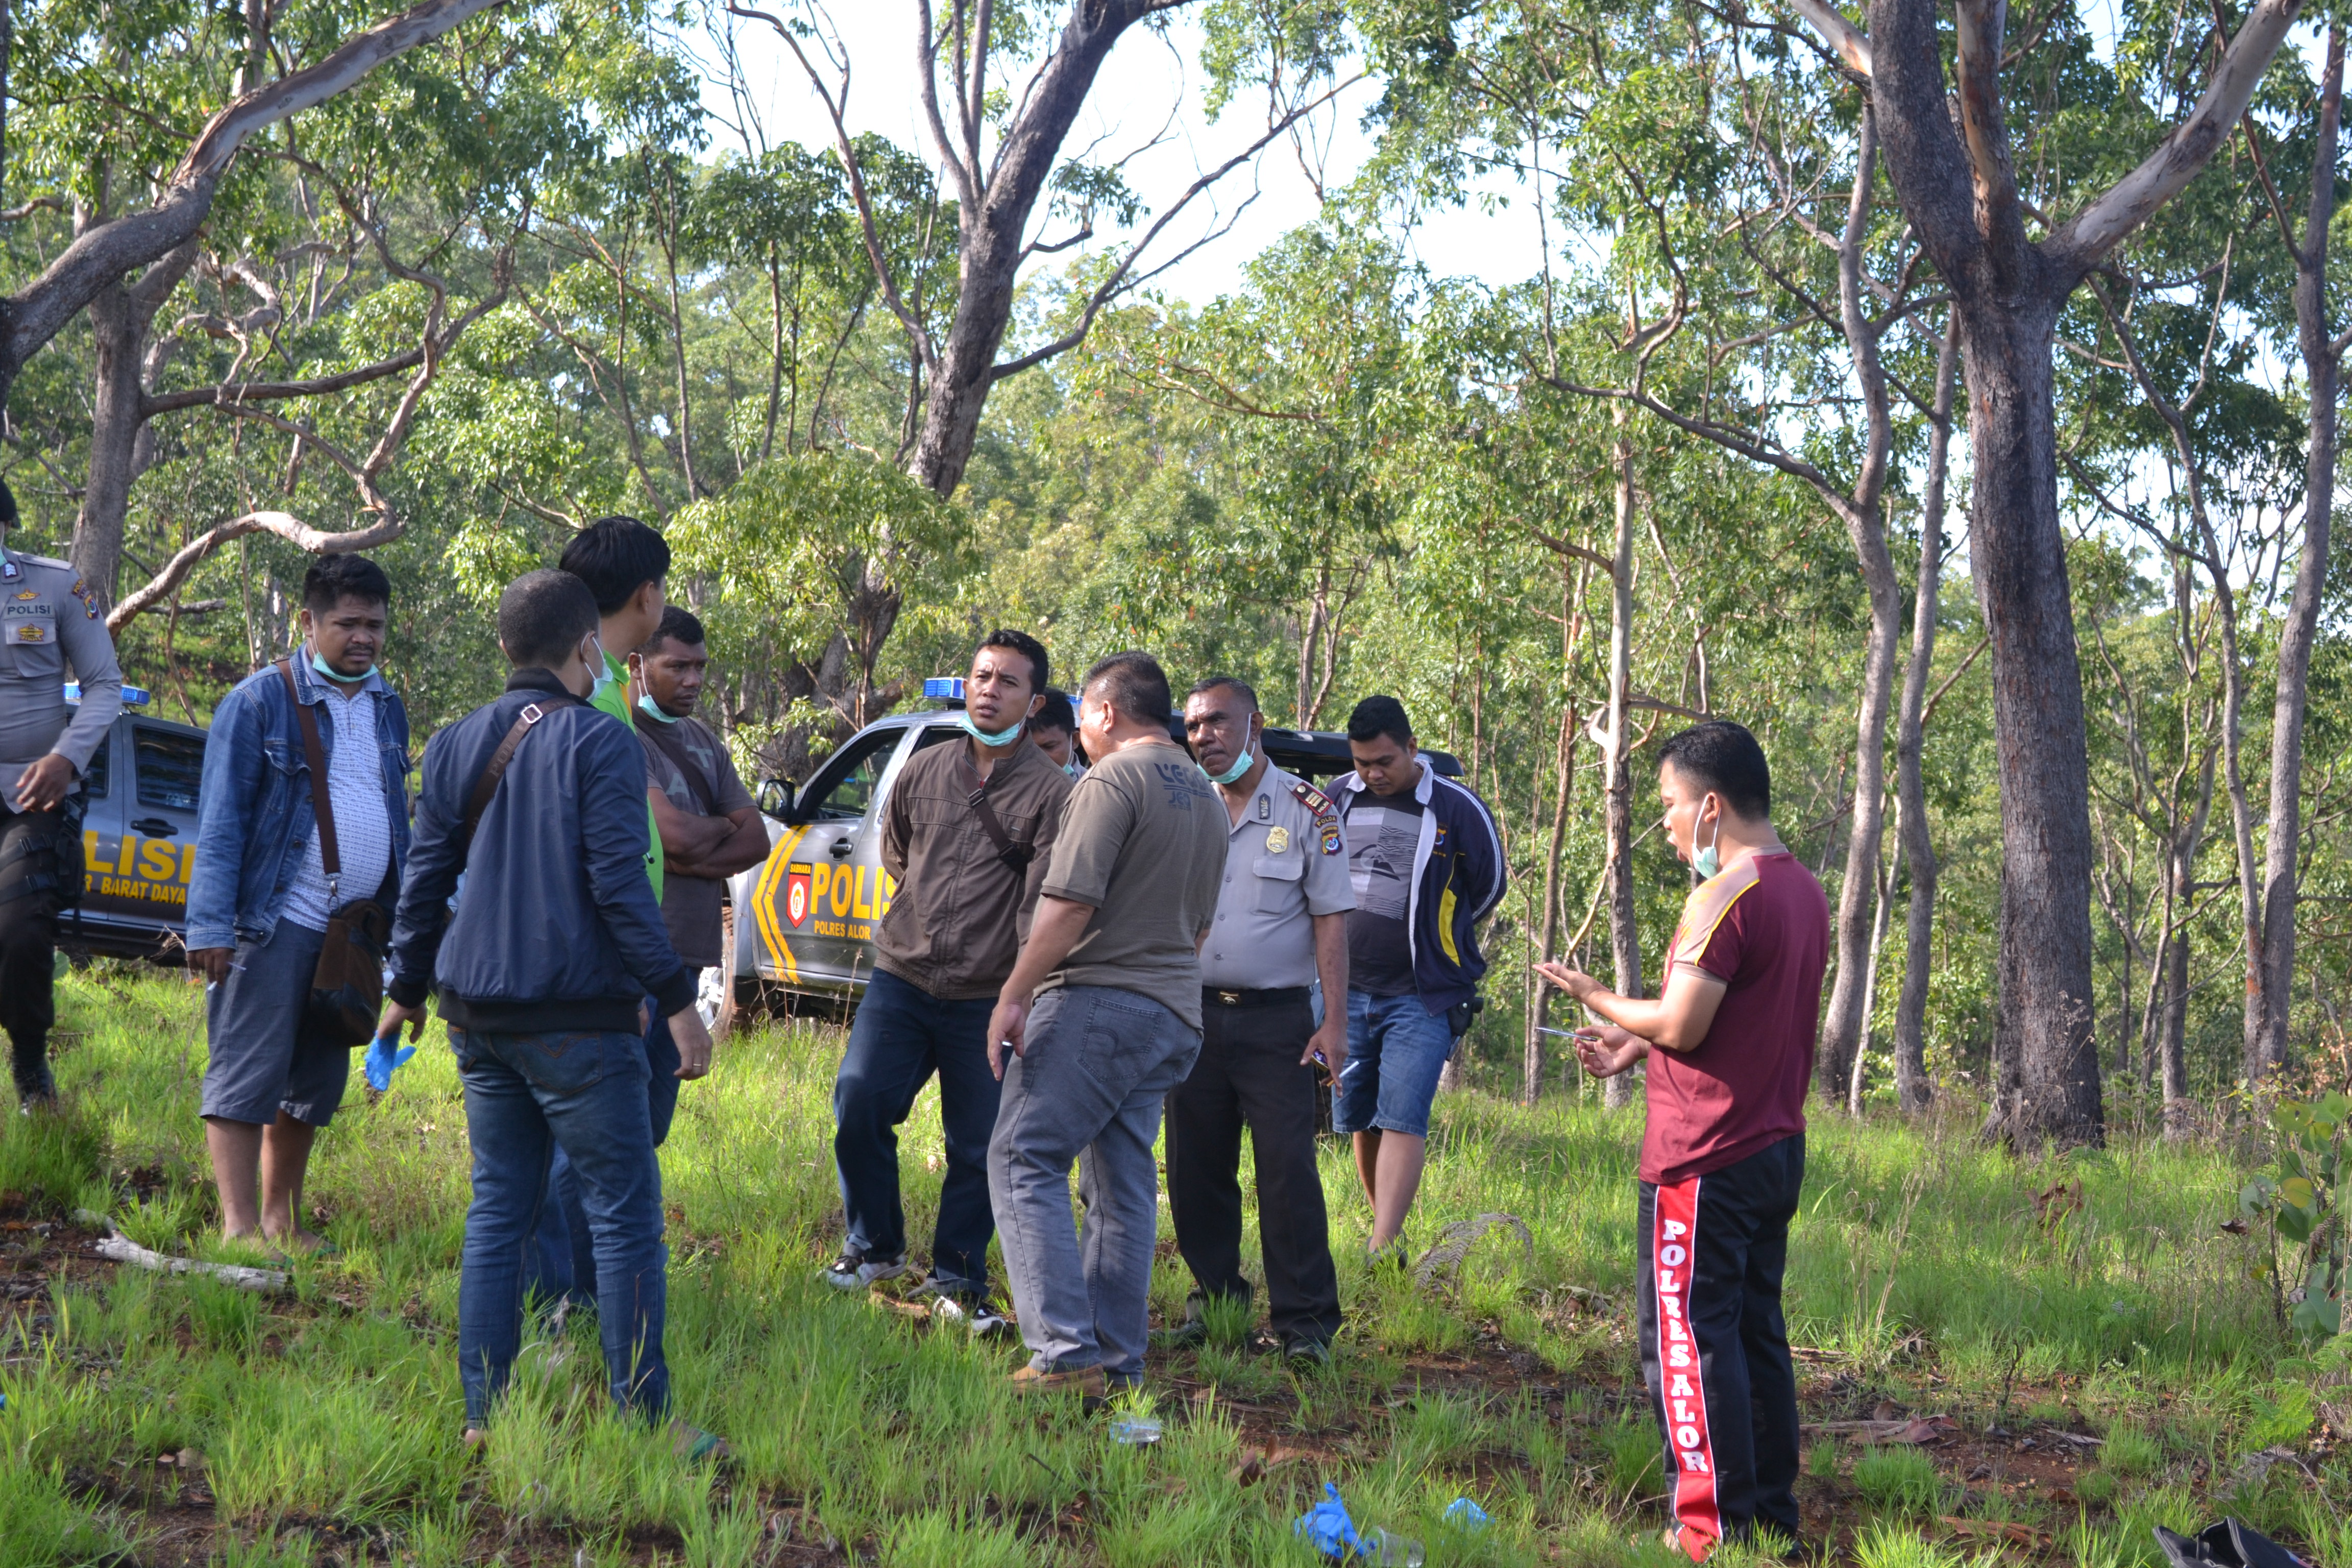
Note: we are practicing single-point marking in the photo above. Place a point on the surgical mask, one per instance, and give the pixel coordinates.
(1075, 768)
(1706, 862)
(646, 704)
(1001, 737)
(322, 665)
(1241, 765)
(601, 665)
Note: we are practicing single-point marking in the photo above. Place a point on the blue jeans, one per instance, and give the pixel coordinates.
(904, 1034)
(583, 1093)
(1099, 1062)
(1396, 1049)
(562, 1262)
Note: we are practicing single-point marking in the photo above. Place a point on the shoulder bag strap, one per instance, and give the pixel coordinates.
(1016, 857)
(665, 739)
(487, 784)
(331, 859)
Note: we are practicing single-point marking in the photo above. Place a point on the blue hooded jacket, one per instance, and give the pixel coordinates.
(1458, 877)
(558, 929)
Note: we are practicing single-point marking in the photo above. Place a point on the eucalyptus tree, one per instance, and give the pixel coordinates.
(1948, 149)
(110, 242)
(1001, 160)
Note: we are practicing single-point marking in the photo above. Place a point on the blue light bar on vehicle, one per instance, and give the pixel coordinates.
(132, 696)
(943, 688)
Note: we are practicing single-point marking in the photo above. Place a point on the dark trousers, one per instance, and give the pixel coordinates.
(1715, 1344)
(37, 859)
(902, 1034)
(1248, 1072)
(562, 1264)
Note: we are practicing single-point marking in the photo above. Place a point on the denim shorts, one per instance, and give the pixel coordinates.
(260, 1059)
(1396, 1049)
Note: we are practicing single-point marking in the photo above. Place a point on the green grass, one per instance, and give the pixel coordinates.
(328, 1422)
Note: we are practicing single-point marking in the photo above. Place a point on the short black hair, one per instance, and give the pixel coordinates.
(1232, 682)
(332, 579)
(1134, 684)
(1378, 716)
(616, 556)
(1057, 714)
(7, 506)
(1723, 756)
(678, 626)
(1028, 647)
(542, 616)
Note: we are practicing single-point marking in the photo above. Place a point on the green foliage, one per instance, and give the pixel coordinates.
(2305, 1202)
(1900, 1479)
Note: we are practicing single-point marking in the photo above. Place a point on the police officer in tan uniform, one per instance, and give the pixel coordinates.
(1281, 924)
(48, 620)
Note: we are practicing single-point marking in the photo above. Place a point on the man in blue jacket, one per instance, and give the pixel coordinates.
(260, 898)
(540, 974)
(1427, 866)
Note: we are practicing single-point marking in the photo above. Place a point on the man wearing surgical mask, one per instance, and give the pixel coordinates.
(965, 831)
(1729, 1044)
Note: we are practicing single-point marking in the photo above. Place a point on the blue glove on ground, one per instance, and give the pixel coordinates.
(384, 1053)
(1326, 1524)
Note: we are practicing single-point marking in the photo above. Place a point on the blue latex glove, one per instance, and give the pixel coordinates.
(384, 1053)
(1326, 1524)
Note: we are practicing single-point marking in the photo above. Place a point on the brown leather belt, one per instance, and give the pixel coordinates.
(1282, 997)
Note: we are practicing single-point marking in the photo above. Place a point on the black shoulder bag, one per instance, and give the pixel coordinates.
(1016, 856)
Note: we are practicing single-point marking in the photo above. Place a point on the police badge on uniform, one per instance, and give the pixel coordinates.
(1277, 839)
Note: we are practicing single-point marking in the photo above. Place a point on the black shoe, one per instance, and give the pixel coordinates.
(1396, 1254)
(37, 1089)
(1304, 1353)
(978, 1314)
(1190, 1334)
(853, 1270)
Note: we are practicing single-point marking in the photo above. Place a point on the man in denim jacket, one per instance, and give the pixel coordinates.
(258, 902)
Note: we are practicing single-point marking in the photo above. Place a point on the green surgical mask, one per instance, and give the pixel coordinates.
(1241, 765)
(336, 675)
(1001, 737)
(646, 704)
(1706, 862)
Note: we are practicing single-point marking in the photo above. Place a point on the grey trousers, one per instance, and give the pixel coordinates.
(1099, 1062)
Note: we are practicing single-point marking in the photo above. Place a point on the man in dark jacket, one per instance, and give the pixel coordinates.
(1427, 865)
(539, 973)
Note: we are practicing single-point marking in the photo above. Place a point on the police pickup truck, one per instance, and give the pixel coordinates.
(138, 837)
(803, 922)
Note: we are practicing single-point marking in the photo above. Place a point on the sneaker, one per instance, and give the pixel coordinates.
(1090, 1381)
(1302, 1354)
(853, 1270)
(978, 1314)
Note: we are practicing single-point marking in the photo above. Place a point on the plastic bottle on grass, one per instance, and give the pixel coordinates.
(1387, 1549)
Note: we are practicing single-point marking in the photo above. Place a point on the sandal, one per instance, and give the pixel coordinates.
(694, 1445)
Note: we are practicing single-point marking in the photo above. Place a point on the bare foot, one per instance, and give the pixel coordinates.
(473, 1438)
(305, 1241)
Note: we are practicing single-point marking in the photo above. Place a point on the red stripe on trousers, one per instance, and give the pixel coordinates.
(1700, 1522)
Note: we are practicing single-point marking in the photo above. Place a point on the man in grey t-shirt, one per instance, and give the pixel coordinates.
(1102, 1012)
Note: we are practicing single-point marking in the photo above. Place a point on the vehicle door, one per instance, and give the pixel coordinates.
(140, 842)
(823, 890)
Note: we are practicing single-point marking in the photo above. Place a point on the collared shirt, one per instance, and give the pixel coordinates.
(690, 905)
(48, 618)
(612, 695)
(955, 918)
(1285, 862)
(355, 795)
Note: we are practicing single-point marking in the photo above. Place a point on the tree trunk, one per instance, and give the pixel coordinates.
(1911, 1087)
(1882, 901)
(995, 237)
(1617, 807)
(2049, 1076)
(1547, 930)
(121, 319)
(2322, 364)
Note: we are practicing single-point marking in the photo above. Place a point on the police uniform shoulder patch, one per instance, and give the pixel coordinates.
(1326, 816)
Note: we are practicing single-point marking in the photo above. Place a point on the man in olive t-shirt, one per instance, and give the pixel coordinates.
(1102, 1013)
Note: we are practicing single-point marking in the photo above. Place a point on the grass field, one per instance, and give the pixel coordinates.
(2103, 1357)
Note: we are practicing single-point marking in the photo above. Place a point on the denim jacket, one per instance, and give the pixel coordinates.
(253, 819)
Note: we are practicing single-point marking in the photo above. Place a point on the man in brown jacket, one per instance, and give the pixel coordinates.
(965, 835)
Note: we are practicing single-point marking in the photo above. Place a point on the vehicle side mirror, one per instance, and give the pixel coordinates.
(775, 797)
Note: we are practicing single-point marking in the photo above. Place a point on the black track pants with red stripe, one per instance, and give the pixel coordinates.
(1715, 1344)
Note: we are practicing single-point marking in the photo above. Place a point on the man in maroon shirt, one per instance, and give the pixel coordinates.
(1729, 1045)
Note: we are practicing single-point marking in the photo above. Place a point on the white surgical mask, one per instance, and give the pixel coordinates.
(333, 674)
(646, 704)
